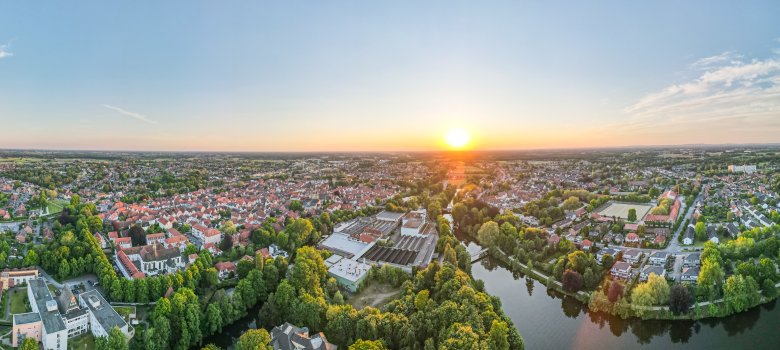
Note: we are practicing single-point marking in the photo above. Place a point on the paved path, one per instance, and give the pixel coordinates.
(543, 278)
(49, 279)
(7, 315)
(674, 244)
(119, 303)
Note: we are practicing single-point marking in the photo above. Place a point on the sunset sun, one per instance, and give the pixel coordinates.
(457, 138)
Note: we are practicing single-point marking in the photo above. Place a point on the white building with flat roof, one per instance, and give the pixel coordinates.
(54, 333)
(347, 272)
(102, 316)
(748, 169)
(53, 323)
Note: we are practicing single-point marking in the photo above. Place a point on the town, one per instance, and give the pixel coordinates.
(158, 251)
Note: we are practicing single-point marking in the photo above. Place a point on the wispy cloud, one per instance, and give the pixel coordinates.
(4, 51)
(729, 92)
(133, 115)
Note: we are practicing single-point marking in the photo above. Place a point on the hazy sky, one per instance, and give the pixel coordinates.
(386, 75)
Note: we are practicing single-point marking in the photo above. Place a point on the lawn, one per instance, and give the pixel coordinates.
(125, 311)
(19, 302)
(84, 341)
(56, 205)
(375, 295)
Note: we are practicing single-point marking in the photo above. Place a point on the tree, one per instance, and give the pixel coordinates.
(680, 299)
(653, 292)
(229, 228)
(434, 209)
(367, 345)
(710, 278)
(769, 289)
(607, 261)
(572, 281)
(498, 336)
(214, 321)
(254, 339)
(589, 279)
(75, 200)
(632, 215)
(460, 337)
(578, 261)
(309, 271)
(29, 344)
(295, 205)
(740, 292)
(137, 235)
(226, 244)
(571, 203)
(210, 277)
(700, 231)
(450, 256)
(299, 232)
(459, 211)
(243, 268)
(488, 234)
(615, 292)
(31, 258)
(117, 340)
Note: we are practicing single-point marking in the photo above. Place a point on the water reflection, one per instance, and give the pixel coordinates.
(548, 329)
(571, 307)
(681, 331)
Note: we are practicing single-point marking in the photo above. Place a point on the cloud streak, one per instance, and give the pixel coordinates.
(4, 51)
(728, 92)
(133, 115)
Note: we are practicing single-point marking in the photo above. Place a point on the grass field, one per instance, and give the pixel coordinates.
(125, 311)
(620, 210)
(56, 205)
(18, 298)
(375, 295)
(19, 161)
(83, 342)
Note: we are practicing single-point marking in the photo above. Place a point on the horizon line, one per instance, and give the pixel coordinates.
(584, 148)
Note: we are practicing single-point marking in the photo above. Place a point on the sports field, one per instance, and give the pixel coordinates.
(620, 210)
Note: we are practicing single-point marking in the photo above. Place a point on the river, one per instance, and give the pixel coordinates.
(548, 320)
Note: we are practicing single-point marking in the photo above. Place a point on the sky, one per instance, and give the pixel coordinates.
(386, 75)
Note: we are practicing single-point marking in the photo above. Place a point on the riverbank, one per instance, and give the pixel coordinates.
(698, 311)
(550, 320)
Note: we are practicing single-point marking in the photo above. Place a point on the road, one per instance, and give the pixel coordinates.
(674, 244)
(69, 283)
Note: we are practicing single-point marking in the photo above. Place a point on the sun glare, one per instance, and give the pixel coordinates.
(457, 138)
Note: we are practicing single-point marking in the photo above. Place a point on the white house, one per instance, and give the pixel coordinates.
(688, 236)
(690, 274)
(659, 258)
(621, 270)
(632, 256)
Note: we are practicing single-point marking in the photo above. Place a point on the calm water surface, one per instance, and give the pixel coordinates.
(547, 320)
